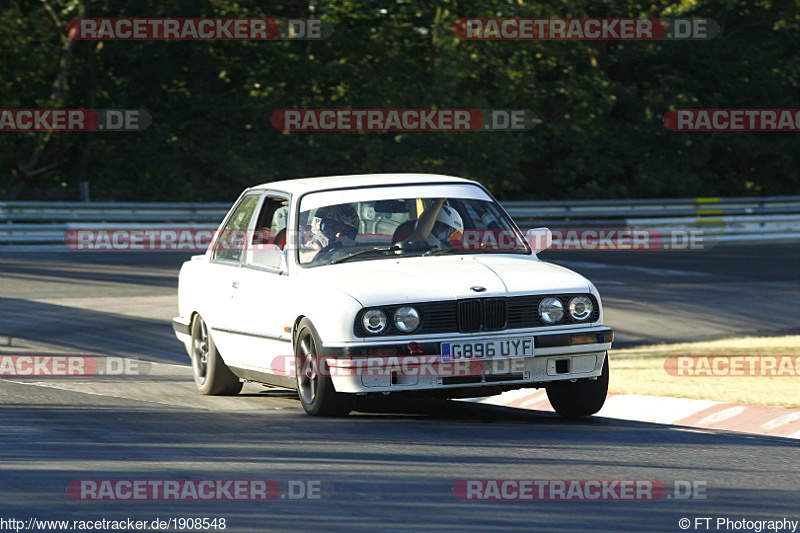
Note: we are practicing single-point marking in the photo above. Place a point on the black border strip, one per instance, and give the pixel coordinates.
(557, 340)
(259, 335)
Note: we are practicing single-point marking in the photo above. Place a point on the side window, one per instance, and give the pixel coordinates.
(271, 222)
(473, 216)
(228, 246)
(279, 218)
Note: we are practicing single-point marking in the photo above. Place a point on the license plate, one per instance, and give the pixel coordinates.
(486, 350)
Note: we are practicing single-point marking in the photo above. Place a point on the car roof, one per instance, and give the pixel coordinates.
(304, 185)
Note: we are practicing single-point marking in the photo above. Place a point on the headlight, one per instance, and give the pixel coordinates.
(374, 321)
(551, 310)
(406, 319)
(580, 307)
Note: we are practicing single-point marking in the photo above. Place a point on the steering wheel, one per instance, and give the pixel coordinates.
(403, 231)
(325, 253)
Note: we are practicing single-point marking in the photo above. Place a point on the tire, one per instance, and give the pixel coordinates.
(211, 375)
(582, 398)
(315, 388)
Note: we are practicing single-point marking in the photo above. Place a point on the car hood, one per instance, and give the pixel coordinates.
(416, 279)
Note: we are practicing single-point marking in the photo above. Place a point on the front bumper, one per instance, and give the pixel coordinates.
(182, 328)
(408, 365)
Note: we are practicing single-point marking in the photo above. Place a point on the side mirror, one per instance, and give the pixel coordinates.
(539, 239)
(266, 256)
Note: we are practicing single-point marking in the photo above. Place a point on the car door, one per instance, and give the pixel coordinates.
(224, 273)
(262, 298)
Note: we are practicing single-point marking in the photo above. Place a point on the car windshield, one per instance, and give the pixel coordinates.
(370, 229)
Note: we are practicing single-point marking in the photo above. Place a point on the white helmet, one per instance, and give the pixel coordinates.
(448, 224)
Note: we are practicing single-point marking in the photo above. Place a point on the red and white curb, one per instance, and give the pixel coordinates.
(704, 414)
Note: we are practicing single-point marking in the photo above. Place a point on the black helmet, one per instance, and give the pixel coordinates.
(338, 220)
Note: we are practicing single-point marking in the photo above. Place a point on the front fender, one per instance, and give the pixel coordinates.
(596, 294)
(332, 312)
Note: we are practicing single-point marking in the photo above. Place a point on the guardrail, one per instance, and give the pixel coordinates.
(728, 220)
(43, 225)
(57, 212)
(602, 211)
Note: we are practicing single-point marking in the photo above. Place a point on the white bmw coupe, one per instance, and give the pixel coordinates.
(388, 284)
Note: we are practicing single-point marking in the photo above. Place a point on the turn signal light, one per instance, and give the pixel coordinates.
(583, 339)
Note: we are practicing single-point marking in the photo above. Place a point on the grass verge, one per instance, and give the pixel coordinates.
(641, 370)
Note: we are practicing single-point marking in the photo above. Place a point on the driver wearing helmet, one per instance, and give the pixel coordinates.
(331, 226)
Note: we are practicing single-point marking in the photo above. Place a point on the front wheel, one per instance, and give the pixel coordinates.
(314, 384)
(211, 375)
(582, 398)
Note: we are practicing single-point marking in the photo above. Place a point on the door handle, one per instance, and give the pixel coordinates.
(235, 285)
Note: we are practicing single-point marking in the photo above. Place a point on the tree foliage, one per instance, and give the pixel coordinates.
(601, 103)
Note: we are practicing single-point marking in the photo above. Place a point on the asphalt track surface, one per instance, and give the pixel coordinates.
(391, 468)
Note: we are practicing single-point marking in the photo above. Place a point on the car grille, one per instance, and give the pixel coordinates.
(474, 315)
(494, 315)
(469, 316)
(482, 315)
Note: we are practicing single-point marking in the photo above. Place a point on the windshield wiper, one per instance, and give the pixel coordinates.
(480, 249)
(443, 251)
(415, 246)
(364, 252)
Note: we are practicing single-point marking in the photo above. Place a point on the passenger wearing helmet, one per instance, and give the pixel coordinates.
(439, 224)
(331, 226)
(448, 226)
